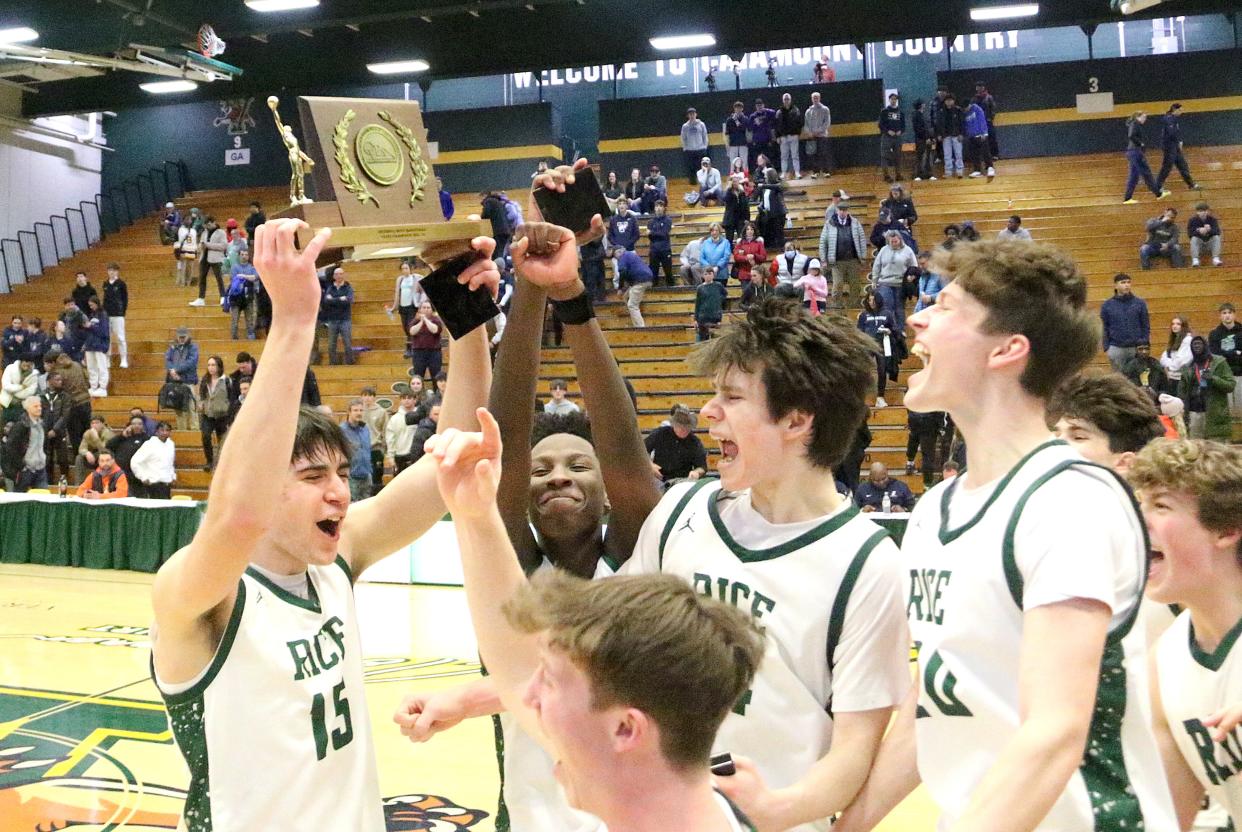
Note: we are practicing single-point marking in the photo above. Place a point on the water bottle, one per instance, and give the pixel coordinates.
(62, 488)
(886, 504)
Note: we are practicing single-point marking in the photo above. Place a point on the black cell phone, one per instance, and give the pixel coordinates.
(462, 309)
(574, 208)
(722, 765)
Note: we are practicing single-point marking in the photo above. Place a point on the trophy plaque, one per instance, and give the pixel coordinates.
(374, 183)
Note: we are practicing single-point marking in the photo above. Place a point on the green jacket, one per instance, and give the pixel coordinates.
(1219, 382)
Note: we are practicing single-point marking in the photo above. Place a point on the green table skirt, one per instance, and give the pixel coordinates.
(97, 535)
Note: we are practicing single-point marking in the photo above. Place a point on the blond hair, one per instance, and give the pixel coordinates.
(649, 642)
(1210, 472)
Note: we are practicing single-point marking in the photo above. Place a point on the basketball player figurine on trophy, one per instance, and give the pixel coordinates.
(299, 162)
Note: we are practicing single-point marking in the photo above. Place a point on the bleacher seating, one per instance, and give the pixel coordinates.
(1073, 202)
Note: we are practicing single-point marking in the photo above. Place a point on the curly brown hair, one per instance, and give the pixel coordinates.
(1210, 472)
(1110, 402)
(1033, 290)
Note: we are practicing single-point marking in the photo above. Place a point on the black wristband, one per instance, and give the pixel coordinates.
(575, 311)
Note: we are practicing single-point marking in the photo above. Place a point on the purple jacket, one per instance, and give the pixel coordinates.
(761, 122)
(976, 121)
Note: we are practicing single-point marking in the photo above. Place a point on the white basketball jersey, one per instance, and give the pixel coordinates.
(276, 732)
(1193, 684)
(738, 822)
(534, 799)
(1053, 529)
(829, 600)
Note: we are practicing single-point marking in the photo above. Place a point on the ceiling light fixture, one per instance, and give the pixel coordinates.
(163, 87)
(19, 34)
(424, 18)
(1004, 12)
(399, 67)
(683, 41)
(280, 5)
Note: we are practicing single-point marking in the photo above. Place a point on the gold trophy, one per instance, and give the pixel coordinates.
(371, 173)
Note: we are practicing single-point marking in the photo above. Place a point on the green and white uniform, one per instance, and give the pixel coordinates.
(275, 731)
(1194, 684)
(828, 593)
(1054, 528)
(534, 800)
(738, 822)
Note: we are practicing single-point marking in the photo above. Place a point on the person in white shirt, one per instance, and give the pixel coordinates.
(185, 250)
(1177, 355)
(155, 465)
(1013, 230)
(400, 435)
(559, 405)
(691, 264)
(791, 264)
(709, 181)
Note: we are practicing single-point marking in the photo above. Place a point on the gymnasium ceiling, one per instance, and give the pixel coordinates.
(330, 45)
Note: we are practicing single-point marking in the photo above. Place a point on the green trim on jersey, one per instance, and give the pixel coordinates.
(346, 568)
(801, 541)
(948, 535)
(1114, 803)
(836, 620)
(1214, 660)
(677, 510)
(311, 603)
(187, 720)
(610, 561)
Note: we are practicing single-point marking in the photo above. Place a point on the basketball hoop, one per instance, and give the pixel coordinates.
(208, 44)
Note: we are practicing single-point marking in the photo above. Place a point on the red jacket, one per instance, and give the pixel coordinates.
(742, 248)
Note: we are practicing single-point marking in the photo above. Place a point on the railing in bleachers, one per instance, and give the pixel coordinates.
(79, 228)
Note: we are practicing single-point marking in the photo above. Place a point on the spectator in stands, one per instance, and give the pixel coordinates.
(18, 382)
(817, 128)
(693, 142)
(148, 424)
(788, 129)
(888, 273)
(185, 250)
(988, 104)
(900, 207)
(709, 182)
(928, 284)
(878, 321)
(591, 255)
(762, 120)
(1203, 229)
(243, 294)
(1171, 143)
(407, 296)
(22, 456)
(115, 304)
(1226, 341)
(1106, 419)
(1163, 240)
(170, 221)
(37, 341)
(1137, 158)
(559, 404)
(95, 345)
(790, 264)
(310, 390)
(14, 340)
(1177, 354)
(975, 122)
(950, 128)
(634, 190)
(246, 367)
(924, 438)
(237, 243)
(842, 246)
(1204, 387)
(493, 210)
(213, 244)
(426, 338)
(338, 312)
(355, 428)
(676, 453)
(62, 339)
(716, 251)
(155, 465)
(56, 410)
(747, 253)
(871, 493)
(83, 291)
(924, 143)
(736, 126)
(772, 215)
(1126, 322)
(124, 445)
(106, 482)
(215, 401)
(691, 262)
(243, 390)
(622, 232)
(1143, 370)
(814, 287)
(377, 420)
(635, 280)
(254, 218)
(892, 124)
(446, 200)
(660, 246)
(736, 209)
(884, 224)
(181, 367)
(612, 189)
(655, 189)
(93, 441)
(1013, 230)
(196, 219)
(399, 434)
(427, 427)
(709, 303)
